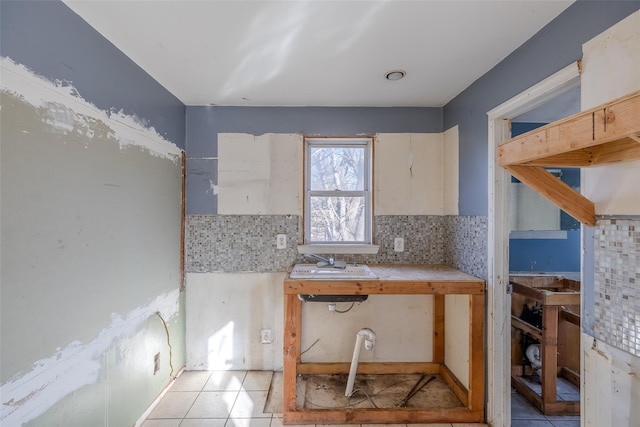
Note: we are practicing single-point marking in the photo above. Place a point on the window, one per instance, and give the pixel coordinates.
(338, 182)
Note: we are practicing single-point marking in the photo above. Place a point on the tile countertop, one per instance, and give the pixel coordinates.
(394, 279)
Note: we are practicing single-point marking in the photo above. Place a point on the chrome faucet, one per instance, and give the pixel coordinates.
(327, 262)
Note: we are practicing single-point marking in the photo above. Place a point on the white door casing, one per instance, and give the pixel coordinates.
(498, 302)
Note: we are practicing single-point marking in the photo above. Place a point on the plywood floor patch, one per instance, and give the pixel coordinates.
(383, 391)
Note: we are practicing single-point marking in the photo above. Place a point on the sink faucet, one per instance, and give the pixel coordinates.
(329, 261)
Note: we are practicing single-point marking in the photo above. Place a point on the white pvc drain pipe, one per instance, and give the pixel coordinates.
(370, 340)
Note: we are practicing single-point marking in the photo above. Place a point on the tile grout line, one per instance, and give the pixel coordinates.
(199, 394)
(236, 399)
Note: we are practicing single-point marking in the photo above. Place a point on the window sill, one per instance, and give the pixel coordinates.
(338, 249)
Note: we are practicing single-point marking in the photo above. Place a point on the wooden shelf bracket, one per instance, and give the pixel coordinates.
(606, 134)
(556, 191)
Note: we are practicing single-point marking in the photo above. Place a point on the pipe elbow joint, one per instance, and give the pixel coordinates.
(369, 337)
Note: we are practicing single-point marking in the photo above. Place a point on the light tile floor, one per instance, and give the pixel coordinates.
(524, 414)
(227, 399)
(238, 399)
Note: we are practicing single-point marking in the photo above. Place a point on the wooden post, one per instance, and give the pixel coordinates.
(438, 329)
(476, 352)
(549, 353)
(291, 353)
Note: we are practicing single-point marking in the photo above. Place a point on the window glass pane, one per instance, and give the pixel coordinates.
(337, 168)
(337, 219)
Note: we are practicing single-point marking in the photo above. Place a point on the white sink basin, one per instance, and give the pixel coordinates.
(312, 271)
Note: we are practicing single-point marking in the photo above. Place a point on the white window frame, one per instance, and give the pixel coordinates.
(367, 192)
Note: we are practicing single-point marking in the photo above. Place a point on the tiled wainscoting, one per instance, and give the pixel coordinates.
(617, 283)
(235, 243)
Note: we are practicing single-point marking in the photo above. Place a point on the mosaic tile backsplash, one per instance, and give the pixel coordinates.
(617, 283)
(466, 249)
(236, 243)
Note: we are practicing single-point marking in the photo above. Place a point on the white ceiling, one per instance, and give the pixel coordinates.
(316, 53)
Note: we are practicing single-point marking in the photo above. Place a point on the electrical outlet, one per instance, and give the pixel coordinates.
(281, 241)
(398, 244)
(265, 336)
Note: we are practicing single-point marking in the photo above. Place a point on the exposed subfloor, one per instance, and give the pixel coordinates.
(375, 391)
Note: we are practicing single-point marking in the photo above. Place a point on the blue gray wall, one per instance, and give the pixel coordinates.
(53, 41)
(546, 255)
(204, 124)
(553, 48)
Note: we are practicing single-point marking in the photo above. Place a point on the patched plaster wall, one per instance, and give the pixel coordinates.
(90, 253)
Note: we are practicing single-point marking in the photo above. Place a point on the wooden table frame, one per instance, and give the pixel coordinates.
(436, 280)
(552, 314)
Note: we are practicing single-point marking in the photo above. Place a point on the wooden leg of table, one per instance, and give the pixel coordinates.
(438, 329)
(549, 353)
(291, 354)
(476, 352)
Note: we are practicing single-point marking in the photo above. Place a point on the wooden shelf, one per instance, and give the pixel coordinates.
(606, 134)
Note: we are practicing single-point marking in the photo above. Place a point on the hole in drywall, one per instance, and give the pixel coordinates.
(156, 363)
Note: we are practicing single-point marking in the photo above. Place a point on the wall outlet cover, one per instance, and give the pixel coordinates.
(266, 336)
(281, 241)
(398, 244)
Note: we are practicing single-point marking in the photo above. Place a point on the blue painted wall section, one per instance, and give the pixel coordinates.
(548, 255)
(545, 255)
(54, 42)
(553, 48)
(204, 123)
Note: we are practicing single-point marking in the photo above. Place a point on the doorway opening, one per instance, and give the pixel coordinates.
(498, 299)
